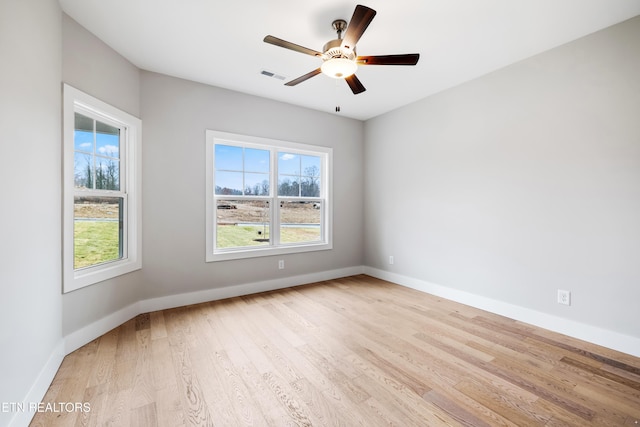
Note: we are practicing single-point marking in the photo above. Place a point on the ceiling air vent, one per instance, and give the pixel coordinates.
(272, 74)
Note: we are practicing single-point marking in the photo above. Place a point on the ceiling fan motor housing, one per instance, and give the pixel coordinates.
(333, 49)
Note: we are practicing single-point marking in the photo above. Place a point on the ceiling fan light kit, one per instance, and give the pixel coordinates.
(339, 67)
(339, 57)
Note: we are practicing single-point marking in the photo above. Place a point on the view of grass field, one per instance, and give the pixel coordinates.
(299, 234)
(95, 242)
(230, 235)
(96, 231)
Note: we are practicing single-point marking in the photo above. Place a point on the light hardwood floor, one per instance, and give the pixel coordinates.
(355, 352)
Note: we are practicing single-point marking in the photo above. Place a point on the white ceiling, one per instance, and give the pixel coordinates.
(220, 42)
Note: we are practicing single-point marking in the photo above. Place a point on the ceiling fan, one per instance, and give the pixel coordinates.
(339, 57)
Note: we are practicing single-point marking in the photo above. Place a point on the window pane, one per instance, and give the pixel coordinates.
(97, 230)
(288, 164)
(310, 186)
(83, 170)
(256, 160)
(241, 223)
(256, 184)
(310, 165)
(228, 183)
(228, 158)
(300, 222)
(107, 140)
(107, 174)
(83, 138)
(83, 141)
(288, 186)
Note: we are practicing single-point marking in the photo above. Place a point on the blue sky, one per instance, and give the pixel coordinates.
(106, 144)
(229, 164)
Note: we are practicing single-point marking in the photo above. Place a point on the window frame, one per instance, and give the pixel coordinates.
(274, 247)
(130, 173)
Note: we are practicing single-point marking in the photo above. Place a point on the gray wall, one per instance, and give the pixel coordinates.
(176, 114)
(30, 217)
(93, 67)
(519, 183)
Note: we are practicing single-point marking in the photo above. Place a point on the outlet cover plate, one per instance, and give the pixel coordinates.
(564, 297)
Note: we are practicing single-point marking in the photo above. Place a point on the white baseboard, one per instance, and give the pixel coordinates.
(39, 387)
(90, 332)
(180, 300)
(606, 338)
(85, 335)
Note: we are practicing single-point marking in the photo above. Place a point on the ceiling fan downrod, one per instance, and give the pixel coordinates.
(339, 25)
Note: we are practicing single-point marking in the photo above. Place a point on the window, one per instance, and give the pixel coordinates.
(266, 197)
(101, 186)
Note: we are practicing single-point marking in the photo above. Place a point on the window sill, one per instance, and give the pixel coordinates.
(86, 277)
(266, 251)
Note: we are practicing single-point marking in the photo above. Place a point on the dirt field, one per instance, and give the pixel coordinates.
(236, 211)
(298, 213)
(96, 210)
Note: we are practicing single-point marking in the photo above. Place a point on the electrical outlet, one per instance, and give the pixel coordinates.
(564, 297)
(281, 264)
(391, 259)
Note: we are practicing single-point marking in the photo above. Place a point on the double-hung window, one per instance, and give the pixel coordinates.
(266, 197)
(101, 186)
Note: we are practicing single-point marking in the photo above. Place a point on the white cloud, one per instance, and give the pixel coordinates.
(109, 149)
(288, 156)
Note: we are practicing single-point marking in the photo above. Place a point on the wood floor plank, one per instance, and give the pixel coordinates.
(97, 395)
(156, 325)
(465, 409)
(145, 415)
(352, 351)
(169, 407)
(105, 359)
(413, 406)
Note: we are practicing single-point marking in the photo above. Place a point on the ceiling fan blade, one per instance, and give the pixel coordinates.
(360, 20)
(408, 59)
(292, 46)
(355, 84)
(303, 78)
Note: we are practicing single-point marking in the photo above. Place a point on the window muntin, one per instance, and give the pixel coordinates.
(101, 185)
(294, 215)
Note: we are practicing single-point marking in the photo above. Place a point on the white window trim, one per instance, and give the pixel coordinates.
(75, 279)
(326, 243)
